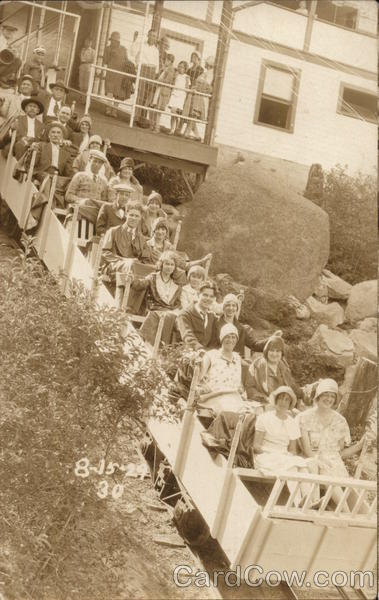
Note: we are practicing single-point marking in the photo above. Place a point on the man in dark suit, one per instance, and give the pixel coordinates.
(197, 328)
(28, 128)
(52, 157)
(196, 324)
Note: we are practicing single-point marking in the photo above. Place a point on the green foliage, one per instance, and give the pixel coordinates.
(68, 387)
(351, 205)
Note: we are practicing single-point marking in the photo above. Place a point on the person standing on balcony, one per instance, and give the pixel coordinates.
(36, 68)
(178, 96)
(196, 106)
(115, 57)
(195, 69)
(148, 56)
(163, 93)
(87, 57)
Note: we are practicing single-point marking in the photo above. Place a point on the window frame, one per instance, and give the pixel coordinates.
(355, 29)
(345, 113)
(186, 39)
(295, 93)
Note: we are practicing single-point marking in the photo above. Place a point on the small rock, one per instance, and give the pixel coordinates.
(335, 344)
(302, 311)
(369, 324)
(157, 507)
(172, 541)
(321, 291)
(330, 314)
(362, 301)
(338, 289)
(365, 343)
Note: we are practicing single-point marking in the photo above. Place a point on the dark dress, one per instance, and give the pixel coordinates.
(116, 57)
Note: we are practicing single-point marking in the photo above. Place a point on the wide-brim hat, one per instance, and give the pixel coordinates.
(35, 100)
(283, 389)
(97, 154)
(58, 84)
(55, 124)
(123, 187)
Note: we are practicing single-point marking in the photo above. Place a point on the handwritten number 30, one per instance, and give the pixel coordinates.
(103, 488)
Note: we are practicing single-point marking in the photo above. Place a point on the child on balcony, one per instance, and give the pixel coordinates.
(178, 95)
(163, 93)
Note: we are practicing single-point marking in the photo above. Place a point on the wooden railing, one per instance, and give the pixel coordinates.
(356, 502)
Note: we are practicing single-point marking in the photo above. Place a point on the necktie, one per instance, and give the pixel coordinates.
(94, 177)
(56, 108)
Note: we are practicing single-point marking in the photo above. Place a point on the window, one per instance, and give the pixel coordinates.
(338, 13)
(276, 98)
(358, 103)
(182, 46)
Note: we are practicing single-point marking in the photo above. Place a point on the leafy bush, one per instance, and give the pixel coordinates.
(351, 205)
(67, 388)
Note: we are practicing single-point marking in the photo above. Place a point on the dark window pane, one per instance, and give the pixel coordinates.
(355, 101)
(274, 113)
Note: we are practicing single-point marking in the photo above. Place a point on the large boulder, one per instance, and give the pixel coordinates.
(259, 229)
(334, 344)
(369, 324)
(338, 289)
(331, 314)
(362, 301)
(365, 343)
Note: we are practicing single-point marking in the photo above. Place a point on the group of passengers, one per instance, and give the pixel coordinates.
(138, 234)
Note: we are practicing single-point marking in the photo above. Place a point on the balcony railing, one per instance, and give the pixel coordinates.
(146, 115)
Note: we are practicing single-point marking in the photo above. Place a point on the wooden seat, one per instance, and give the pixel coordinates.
(85, 231)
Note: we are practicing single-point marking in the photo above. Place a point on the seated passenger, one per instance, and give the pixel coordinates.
(28, 128)
(111, 215)
(64, 116)
(246, 335)
(159, 241)
(162, 295)
(80, 139)
(52, 158)
(151, 212)
(125, 244)
(326, 434)
(221, 374)
(270, 371)
(53, 102)
(80, 162)
(196, 324)
(125, 175)
(88, 188)
(276, 432)
(11, 103)
(190, 291)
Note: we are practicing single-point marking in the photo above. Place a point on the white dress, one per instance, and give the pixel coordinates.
(275, 457)
(222, 373)
(178, 96)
